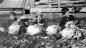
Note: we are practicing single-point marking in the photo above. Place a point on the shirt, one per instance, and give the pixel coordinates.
(41, 21)
(66, 19)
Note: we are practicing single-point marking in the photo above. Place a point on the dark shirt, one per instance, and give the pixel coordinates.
(66, 19)
(42, 21)
(22, 22)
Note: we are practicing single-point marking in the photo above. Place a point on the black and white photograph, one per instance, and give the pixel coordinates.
(42, 23)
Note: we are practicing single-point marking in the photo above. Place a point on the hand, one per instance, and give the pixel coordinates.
(40, 24)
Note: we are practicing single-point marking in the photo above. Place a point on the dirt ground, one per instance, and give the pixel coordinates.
(7, 41)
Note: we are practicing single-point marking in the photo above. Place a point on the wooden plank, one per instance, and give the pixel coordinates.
(52, 2)
(4, 12)
(45, 10)
(11, 3)
(27, 4)
(56, 6)
(50, 10)
(73, 5)
(32, 3)
(10, 9)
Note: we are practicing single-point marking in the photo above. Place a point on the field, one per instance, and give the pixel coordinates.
(10, 41)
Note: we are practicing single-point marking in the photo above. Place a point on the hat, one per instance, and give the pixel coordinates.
(64, 10)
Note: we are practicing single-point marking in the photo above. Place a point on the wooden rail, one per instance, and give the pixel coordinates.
(57, 10)
(52, 2)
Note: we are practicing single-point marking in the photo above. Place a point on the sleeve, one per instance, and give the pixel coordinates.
(62, 21)
(73, 17)
(42, 21)
(35, 22)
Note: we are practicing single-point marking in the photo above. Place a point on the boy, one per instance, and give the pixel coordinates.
(66, 17)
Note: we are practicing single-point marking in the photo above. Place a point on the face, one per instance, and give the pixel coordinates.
(26, 23)
(67, 13)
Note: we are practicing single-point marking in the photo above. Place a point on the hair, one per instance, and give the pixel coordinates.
(40, 16)
(64, 10)
(27, 11)
(36, 16)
